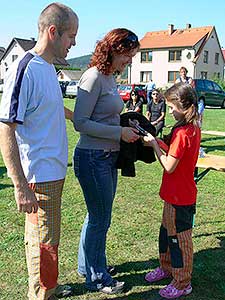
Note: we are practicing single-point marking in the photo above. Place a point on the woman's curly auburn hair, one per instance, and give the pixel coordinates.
(119, 41)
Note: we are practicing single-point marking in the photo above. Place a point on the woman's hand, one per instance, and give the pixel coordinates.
(129, 134)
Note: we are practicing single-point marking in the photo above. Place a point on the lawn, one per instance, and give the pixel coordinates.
(132, 239)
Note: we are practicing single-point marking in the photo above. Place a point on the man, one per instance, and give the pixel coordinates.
(150, 86)
(34, 144)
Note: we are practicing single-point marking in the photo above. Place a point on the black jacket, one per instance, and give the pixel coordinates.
(131, 152)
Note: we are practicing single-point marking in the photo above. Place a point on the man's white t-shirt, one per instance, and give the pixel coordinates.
(32, 98)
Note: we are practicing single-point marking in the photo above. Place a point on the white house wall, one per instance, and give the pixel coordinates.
(160, 66)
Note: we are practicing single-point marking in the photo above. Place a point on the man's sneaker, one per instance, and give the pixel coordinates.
(63, 291)
(114, 288)
(170, 292)
(156, 275)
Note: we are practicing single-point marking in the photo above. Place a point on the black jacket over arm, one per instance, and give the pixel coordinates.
(131, 152)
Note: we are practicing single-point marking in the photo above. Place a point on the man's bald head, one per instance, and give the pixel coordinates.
(56, 14)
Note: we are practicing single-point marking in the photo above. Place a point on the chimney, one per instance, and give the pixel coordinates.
(32, 39)
(170, 29)
(188, 26)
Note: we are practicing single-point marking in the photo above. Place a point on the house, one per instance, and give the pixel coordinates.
(2, 50)
(68, 75)
(16, 48)
(223, 50)
(162, 53)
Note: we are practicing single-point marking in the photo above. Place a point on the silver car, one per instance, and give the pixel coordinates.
(71, 89)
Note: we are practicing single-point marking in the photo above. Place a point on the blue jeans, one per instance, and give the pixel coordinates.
(97, 175)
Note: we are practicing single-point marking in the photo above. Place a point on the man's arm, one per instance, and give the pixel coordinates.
(25, 197)
(68, 114)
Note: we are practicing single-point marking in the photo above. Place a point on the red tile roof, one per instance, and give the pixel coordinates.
(179, 37)
(223, 50)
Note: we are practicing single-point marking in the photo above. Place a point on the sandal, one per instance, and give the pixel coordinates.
(156, 275)
(170, 292)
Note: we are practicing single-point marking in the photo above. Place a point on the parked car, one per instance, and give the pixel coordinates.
(63, 85)
(71, 89)
(209, 92)
(125, 90)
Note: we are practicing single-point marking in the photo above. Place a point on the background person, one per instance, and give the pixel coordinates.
(97, 118)
(150, 86)
(178, 190)
(183, 76)
(134, 103)
(156, 111)
(34, 143)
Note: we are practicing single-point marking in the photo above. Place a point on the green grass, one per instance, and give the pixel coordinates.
(132, 239)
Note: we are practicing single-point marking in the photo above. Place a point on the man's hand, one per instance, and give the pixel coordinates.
(26, 200)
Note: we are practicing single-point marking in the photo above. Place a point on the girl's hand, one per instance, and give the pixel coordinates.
(149, 139)
(129, 134)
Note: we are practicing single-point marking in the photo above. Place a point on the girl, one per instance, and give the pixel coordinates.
(178, 190)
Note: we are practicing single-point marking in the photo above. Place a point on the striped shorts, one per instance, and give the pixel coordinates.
(175, 243)
(42, 234)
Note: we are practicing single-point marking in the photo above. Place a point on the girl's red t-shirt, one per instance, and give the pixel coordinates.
(179, 187)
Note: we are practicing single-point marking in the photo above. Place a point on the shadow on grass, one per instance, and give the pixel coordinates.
(214, 138)
(5, 186)
(208, 279)
(213, 148)
(3, 171)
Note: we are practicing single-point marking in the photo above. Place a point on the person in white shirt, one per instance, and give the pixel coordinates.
(150, 86)
(34, 144)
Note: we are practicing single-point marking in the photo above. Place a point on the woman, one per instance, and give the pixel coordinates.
(183, 76)
(156, 111)
(134, 103)
(97, 118)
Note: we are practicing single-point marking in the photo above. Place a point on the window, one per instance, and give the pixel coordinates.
(216, 58)
(203, 75)
(172, 76)
(14, 57)
(146, 56)
(205, 56)
(209, 85)
(145, 76)
(217, 88)
(174, 55)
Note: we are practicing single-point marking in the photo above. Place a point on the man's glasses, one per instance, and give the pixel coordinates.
(133, 95)
(155, 94)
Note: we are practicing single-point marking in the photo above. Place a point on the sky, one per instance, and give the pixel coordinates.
(97, 17)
